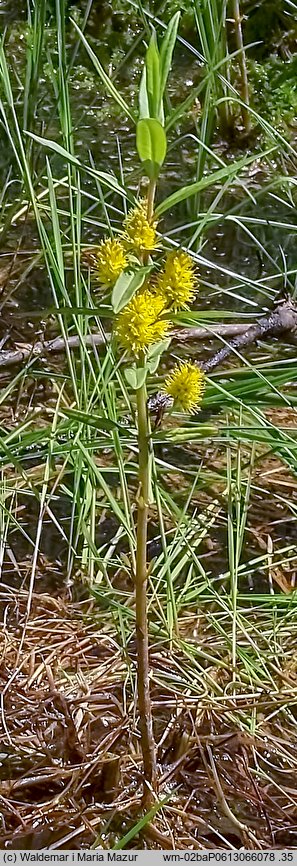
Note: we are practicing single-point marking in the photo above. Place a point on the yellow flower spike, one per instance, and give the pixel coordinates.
(111, 260)
(139, 232)
(186, 385)
(139, 325)
(177, 281)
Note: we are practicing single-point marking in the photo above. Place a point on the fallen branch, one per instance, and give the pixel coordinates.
(25, 351)
(281, 320)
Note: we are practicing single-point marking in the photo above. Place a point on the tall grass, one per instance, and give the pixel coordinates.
(84, 446)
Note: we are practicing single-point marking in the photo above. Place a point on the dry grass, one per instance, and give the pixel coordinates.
(71, 764)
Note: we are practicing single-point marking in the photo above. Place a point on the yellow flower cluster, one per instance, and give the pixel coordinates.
(144, 321)
(140, 323)
(139, 232)
(113, 255)
(177, 281)
(111, 260)
(186, 385)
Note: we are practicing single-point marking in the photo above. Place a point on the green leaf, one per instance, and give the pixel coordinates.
(144, 110)
(108, 84)
(55, 221)
(143, 821)
(186, 434)
(126, 286)
(151, 145)
(135, 376)
(98, 421)
(154, 354)
(152, 63)
(102, 176)
(229, 171)
(166, 50)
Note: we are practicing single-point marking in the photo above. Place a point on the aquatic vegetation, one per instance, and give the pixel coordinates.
(274, 94)
(143, 324)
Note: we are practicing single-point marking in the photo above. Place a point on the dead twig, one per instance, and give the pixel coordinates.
(282, 320)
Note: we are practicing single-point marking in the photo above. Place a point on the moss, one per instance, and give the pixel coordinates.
(274, 92)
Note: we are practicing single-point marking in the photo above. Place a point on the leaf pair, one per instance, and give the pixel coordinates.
(151, 139)
(136, 376)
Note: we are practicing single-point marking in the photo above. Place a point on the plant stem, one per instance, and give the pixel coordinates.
(224, 108)
(143, 685)
(144, 701)
(243, 69)
(150, 199)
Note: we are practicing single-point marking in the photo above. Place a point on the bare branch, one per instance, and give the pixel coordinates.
(282, 320)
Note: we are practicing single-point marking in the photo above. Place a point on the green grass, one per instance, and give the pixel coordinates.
(207, 539)
(95, 384)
